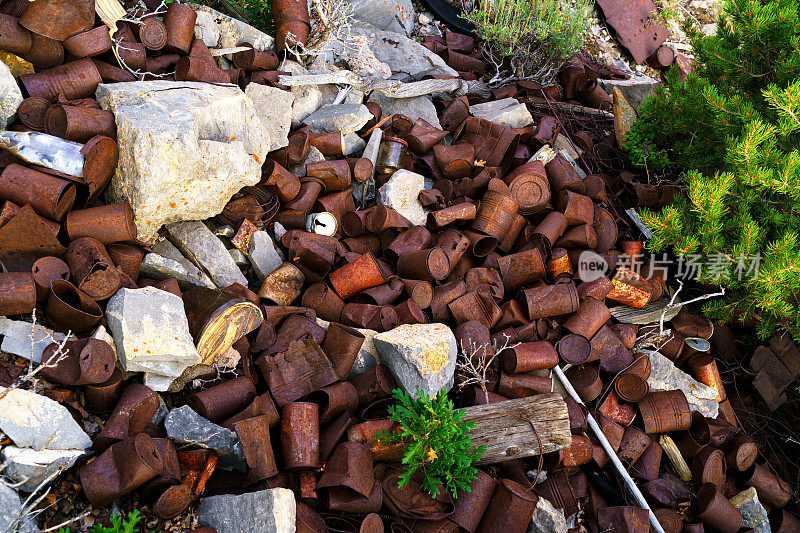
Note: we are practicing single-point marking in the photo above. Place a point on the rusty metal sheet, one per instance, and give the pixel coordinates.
(636, 30)
(25, 238)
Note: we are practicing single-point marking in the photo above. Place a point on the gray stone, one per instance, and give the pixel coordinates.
(391, 15)
(547, 519)
(35, 421)
(204, 249)
(160, 268)
(403, 54)
(185, 426)
(29, 468)
(664, 375)
(401, 193)
(10, 510)
(10, 96)
(194, 275)
(507, 112)
(151, 334)
(347, 118)
(307, 98)
(274, 108)
(265, 511)
(185, 149)
(373, 144)
(238, 257)
(17, 340)
(221, 31)
(314, 156)
(635, 90)
(420, 356)
(352, 143)
(753, 513)
(413, 108)
(331, 91)
(263, 254)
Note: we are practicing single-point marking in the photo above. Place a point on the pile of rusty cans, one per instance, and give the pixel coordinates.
(523, 255)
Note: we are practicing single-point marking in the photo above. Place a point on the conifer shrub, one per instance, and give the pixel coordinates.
(734, 126)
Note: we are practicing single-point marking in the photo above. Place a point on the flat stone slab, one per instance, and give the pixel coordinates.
(347, 118)
(401, 193)
(35, 421)
(204, 249)
(30, 468)
(185, 426)
(666, 376)
(507, 112)
(265, 511)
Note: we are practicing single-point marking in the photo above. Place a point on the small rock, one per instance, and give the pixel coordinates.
(507, 112)
(424, 19)
(10, 509)
(373, 144)
(35, 421)
(414, 108)
(229, 30)
(401, 193)
(30, 468)
(307, 99)
(238, 257)
(160, 268)
(274, 108)
(10, 96)
(201, 247)
(151, 334)
(266, 511)
(187, 427)
(352, 143)
(403, 54)
(547, 519)
(754, 515)
(347, 118)
(635, 90)
(263, 255)
(185, 149)
(394, 15)
(420, 356)
(624, 116)
(17, 340)
(194, 275)
(314, 156)
(666, 376)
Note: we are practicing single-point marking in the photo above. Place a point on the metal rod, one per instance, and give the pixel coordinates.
(611, 453)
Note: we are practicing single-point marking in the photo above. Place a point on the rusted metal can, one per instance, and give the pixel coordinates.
(253, 433)
(608, 348)
(782, 521)
(457, 213)
(70, 309)
(771, 489)
(191, 68)
(521, 269)
(582, 236)
(510, 510)
(630, 289)
(179, 21)
(282, 285)
(342, 345)
(49, 196)
(356, 276)
(381, 218)
(475, 305)
(620, 412)
(495, 215)
(310, 189)
(92, 268)
(130, 416)
(222, 401)
(529, 187)
(152, 33)
(334, 400)
(633, 444)
(121, 469)
(665, 411)
(716, 511)
(45, 271)
(253, 59)
(422, 136)
(560, 265)
(292, 25)
(649, 463)
(324, 301)
(279, 181)
(342, 499)
(349, 466)
(523, 385)
(101, 398)
(79, 124)
(589, 318)
(552, 227)
(586, 381)
(89, 43)
(108, 224)
(708, 466)
(300, 435)
(374, 384)
(574, 349)
(704, 368)
(443, 295)
(127, 258)
(471, 506)
(552, 300)
(335, 175)
(740, 453)
(31, 112)
(14, 38)
(78, 79)
(81, 362)
(17, 293)
(427, 265)
(413, 240)
(529, 356)
(632, 385)
(623, 519)
(44, 53)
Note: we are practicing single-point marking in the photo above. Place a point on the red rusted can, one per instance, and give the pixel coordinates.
(324, 301)
(589, 318)
(127, 258)
(529, 356)
(621, 413)
(310, 189)
(422, 136)
(253, 433)
(608, 348)
(224, 400)
(510, 510)
(44, 53)
(179, 21)
(782, 521)
(45, 271)
(740, 453)
(292, 23)
(31, 112)
(586, 381)
(471, 506)
(373, 384)
(665, 411)
(633, 444)
(101, 398)
(495, 215)
(552, 227)
(529, 187)
(623, 519)
(70, 309)
(716, 511)
(381, 218)
(335, 175)
(427, 265)
(552, 300)
(253, 59)
(121, 469)
(130, 416)
(196, 69)
(92, 268)
(349, 466)
(279, 181)
(708, 466)
(455, 161)
(334, 400)
(574, 349)
(49, 196)
(82, 362)
(78, 79)
(563, 176)
(14, 38)
(523, 385)
(152, 33)
(108, 224)
(475, 305)
(261, 406)
(79, 124)
(356, 276)
(771, 489)
(89, 43)
(17, 293)
(300, 435)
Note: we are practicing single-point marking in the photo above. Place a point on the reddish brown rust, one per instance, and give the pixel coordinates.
(665, 411)
(92, 268)
(300, 435)
(49, 196)
(223, 400)
(254, 436)
(80, 362)
(17, 293)
(70, 309)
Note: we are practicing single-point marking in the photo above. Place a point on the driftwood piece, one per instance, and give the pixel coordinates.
(541, 103)
(507, 428)
(390, 88)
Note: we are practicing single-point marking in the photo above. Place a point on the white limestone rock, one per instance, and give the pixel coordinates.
(508, 112)
(221, 31)
(401, 193)
(10, 96)
(666, 376)
(185, 149)
(35, 421)
(204, 249)
(265, 511)
(29, 468)
(347, 118)
(274, 108)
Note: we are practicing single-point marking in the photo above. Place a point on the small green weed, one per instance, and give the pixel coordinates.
(118, 525)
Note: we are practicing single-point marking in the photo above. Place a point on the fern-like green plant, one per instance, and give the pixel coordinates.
(437, 442)
(118, 525)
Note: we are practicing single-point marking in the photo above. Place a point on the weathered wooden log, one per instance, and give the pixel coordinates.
(520, 428)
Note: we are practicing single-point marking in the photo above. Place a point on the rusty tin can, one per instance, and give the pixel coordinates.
(716, 511)
(130, 416)
(179, 21)
(300, 435)
(224, 400)
(586, 381)
(589, 318)
(253, 433)
(70, 309)
(496, 214)
(81, 362)
(17, 293)
(45, 271)
(354, 277)
(510, 510)
(665, 411)
(78, 79)
(108, 224)
(49, 196)
(89, 43)
(552, 300)
(529, 356)
(92, 268)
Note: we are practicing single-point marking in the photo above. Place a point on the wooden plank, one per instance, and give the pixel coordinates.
(507, 428)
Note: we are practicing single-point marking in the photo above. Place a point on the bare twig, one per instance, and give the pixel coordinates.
(478, 361)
